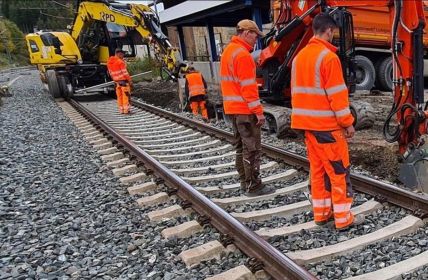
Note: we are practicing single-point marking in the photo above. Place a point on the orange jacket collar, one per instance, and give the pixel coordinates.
(238, 40)
(314, 40)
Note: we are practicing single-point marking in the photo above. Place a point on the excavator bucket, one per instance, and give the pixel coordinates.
(414, 169)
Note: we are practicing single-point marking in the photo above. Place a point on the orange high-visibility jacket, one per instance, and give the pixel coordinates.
(319, 96)
(238, 79)
(117, 69)
(195, 83)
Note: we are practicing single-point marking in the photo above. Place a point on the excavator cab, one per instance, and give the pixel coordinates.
(98, 41)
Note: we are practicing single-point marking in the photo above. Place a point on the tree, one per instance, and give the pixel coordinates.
(43, 14)
(5, 8)
(13, 48)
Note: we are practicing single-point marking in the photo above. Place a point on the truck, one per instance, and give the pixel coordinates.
(74, 60)
(372, 41)
(372, 34)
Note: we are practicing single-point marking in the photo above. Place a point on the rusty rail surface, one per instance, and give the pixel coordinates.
(382, 191)
(274, 262)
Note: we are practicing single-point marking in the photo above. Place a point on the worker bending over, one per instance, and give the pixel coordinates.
(117, 69)
(195, 89)
(321, 108)
(242, 105)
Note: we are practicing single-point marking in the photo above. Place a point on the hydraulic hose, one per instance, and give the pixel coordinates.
(393, 136)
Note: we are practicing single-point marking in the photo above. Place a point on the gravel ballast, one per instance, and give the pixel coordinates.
(376, 256)
(63, 213)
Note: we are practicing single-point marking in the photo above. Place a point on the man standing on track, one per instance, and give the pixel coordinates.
(321, 108)
(242, 104)
(119, 74)
(195, 89)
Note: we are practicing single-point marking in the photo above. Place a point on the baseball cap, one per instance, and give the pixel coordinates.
(247, 24)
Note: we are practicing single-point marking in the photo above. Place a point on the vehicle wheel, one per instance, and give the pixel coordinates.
(53, 85)
(384, 74)
(66, 87)
(365, 73)
(363, 114)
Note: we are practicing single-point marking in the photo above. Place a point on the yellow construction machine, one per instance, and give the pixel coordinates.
(69, 61)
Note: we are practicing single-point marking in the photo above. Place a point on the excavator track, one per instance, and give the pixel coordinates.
(278, 118)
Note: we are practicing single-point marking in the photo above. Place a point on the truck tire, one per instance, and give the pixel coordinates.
(363, 114)
(53, 85)
(384, 74)
(65, 86)
(365, 73)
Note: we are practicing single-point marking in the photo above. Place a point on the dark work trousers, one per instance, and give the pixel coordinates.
(247, 143)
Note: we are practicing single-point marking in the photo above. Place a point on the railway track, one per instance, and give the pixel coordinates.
(16, 70)
(177, 167)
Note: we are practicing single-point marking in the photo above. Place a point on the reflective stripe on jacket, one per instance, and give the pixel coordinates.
(319, 96)
(195, 83)
(238, 79)
(117, 69)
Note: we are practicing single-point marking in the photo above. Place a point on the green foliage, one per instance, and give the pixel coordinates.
(13, 49)
(4, 8)
(43, 14)
(143, 65)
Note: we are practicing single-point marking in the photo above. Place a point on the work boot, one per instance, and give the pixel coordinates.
(322, 223)
(262, 190)
(358, 220)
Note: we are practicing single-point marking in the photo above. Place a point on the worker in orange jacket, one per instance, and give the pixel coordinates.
(119, 74)
(320, 107)
(242, 104)
(195, 88)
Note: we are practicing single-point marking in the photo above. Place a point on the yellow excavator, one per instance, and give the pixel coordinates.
(69, 61)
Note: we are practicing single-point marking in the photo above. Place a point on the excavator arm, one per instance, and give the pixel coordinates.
(134, 16)
(408, 22)
(407, 122)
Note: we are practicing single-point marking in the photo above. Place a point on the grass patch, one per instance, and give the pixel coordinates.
(143, 65)
(146, 64)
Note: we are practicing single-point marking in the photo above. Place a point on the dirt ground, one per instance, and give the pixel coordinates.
(159, 93)
(368, 150)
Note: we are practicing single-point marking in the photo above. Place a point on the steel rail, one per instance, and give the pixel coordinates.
(14, 70)
(107, 84)
(276, 264)
(415, 202)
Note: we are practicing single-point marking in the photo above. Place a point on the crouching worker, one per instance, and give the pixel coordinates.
(117, 69)
(196, 89)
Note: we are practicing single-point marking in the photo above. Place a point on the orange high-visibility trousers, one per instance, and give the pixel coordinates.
(330, 176)
(122, 94)
(196, 105)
